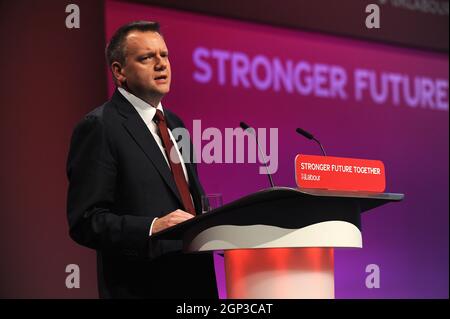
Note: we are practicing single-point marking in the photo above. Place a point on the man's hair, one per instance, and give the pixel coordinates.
(115, 50)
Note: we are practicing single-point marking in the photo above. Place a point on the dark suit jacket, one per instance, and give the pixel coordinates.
(119, 182)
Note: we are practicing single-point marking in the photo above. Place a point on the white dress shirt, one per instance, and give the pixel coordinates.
(147, 113)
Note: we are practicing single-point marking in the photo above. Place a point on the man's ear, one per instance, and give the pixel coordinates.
(117, 71)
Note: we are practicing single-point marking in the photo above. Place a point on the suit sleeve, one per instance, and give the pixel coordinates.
(92, 174)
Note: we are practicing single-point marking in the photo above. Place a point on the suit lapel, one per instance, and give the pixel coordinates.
(143, 137)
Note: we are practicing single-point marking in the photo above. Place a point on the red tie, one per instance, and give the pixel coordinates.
(177, 169)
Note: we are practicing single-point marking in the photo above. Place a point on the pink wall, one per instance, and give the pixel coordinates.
(52, 76)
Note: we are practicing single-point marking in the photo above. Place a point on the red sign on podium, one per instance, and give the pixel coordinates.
(339, 173)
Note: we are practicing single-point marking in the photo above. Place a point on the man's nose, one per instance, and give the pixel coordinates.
(161, 63)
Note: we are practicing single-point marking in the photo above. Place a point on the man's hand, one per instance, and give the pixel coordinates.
(170, 220)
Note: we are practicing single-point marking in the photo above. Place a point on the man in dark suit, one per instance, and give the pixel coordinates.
(124, 184)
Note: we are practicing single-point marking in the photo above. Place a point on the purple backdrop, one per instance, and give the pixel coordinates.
(407, 129)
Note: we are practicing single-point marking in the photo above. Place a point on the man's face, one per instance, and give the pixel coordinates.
(147, 68)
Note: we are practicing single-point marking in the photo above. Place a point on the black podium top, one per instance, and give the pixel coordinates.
(299, 207)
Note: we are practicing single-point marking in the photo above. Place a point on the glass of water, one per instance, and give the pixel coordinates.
(211, 201)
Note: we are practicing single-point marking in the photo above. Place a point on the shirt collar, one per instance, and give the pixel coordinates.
(145, 110)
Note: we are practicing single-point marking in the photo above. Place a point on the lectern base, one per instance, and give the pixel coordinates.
(280, 273)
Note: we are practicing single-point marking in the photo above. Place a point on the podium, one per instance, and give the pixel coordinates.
(279, 242)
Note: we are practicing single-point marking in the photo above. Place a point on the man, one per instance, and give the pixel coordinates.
(123, 186)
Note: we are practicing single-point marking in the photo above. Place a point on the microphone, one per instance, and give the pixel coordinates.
(249, 129)
(309, 136)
